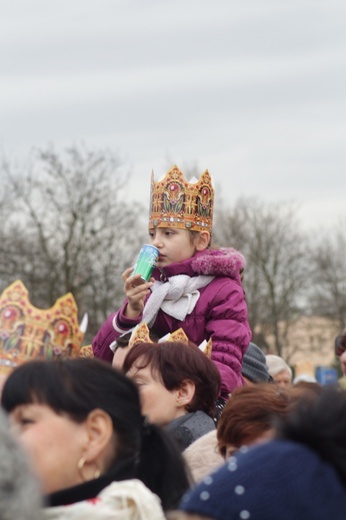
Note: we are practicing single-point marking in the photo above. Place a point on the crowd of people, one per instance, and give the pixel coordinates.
(175, 413)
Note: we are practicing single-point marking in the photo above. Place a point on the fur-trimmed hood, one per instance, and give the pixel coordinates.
(219, 262)
(211, 262)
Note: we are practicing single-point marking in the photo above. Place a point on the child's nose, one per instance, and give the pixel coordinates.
(157, 242)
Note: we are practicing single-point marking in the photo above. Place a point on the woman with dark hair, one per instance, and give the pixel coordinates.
(178, 386)
(81, 422)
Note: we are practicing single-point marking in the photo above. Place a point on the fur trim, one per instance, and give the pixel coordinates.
(219, 262)
(202, 456)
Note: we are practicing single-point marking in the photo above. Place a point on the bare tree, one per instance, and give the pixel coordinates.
(270, 238)
(328, 273)
(73, 228)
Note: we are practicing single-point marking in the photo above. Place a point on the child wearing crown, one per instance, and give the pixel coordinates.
(193, 287)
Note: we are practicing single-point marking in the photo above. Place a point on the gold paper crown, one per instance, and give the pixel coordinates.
(175, 202)
(27, 332)
(141, 334)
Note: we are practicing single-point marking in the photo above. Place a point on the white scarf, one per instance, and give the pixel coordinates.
(125, 500)
(176, 297)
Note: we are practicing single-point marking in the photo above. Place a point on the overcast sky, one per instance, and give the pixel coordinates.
(253, 90)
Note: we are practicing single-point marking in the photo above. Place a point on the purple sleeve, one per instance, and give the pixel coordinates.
(102, 340)
(229, 328)
(114, 326)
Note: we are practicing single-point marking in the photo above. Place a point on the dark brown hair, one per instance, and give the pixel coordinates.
(173, 362)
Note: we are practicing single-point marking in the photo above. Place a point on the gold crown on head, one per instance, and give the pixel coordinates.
(141, 334)
(27, 332)
(175, 202)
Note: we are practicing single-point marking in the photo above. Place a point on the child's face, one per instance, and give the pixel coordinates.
(175, 245)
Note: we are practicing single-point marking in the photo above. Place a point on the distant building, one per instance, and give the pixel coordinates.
(310, 339)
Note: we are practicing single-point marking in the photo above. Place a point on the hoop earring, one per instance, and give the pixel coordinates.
(80, 467)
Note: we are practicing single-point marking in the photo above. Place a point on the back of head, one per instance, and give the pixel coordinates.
(318, 420)
(249, 413)
(174, 362)
(254, 365)
(305, 388)
(276, 365)
(19, 491)
(162, 467)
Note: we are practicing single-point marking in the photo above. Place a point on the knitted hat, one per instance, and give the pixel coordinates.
(254, 365)
(277, 479)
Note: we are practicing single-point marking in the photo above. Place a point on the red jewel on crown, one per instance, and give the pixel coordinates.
(62, 328)
(174, 187)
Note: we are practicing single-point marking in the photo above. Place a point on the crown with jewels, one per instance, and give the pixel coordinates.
(27, 332)
(141, 334)
(175, 202)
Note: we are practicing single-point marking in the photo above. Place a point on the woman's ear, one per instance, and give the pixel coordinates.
(202, 240)
(100, 446)
(185, 393)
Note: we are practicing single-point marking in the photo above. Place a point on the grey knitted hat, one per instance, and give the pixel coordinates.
(254, 365)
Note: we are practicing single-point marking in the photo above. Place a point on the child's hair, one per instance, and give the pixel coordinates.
(173, 362)
(75, 387)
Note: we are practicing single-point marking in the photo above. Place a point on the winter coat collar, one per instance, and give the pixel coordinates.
(189, 427)
(123, 470)
(211, 262)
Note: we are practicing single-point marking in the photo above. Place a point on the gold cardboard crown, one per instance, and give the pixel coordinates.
(175, 202)
(86, 352)
(178, 335)
(27, 332)
(141, 334)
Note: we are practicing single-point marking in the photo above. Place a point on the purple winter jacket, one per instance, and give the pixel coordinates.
(220, 313)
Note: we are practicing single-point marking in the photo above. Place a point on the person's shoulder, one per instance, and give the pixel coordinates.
(200, 420)
(203, 456)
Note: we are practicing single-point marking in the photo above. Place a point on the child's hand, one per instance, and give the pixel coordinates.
(136, 291)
